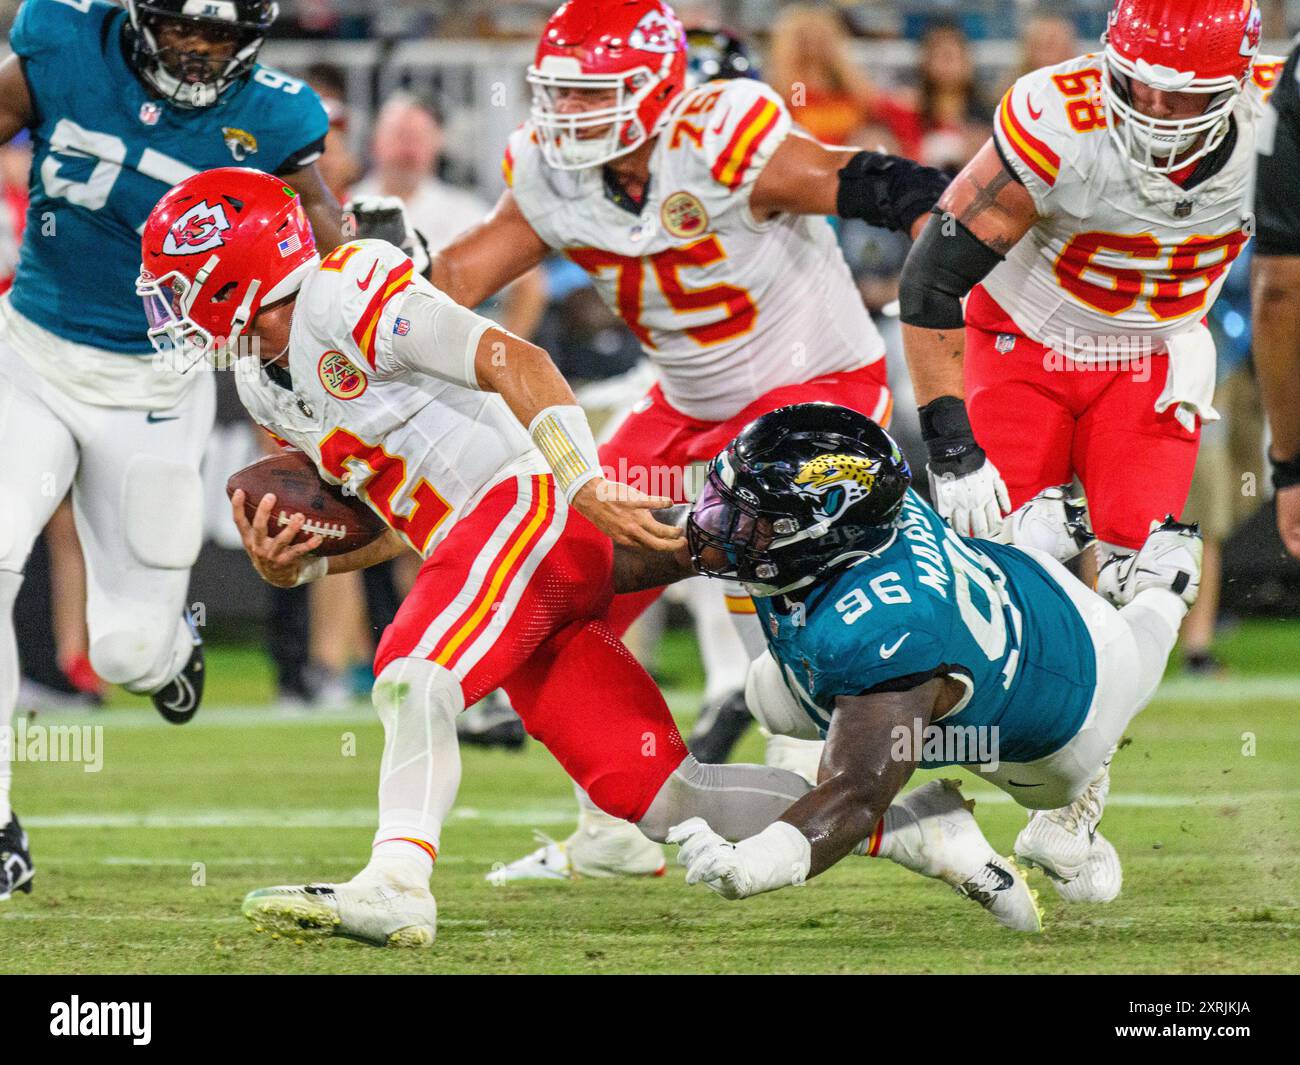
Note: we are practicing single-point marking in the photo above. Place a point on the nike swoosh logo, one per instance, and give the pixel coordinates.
(1035, 115)
(1015, 784)
(363, 285)
(153, 418)
(889, 652)
(726, 115)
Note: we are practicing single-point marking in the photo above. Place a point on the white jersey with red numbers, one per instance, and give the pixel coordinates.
(420, 451)
(725, 306)
(1118, 256)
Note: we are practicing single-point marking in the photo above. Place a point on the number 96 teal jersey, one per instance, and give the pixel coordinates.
(934, 604)
(106, 150)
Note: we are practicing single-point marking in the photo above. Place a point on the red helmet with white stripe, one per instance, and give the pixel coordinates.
(632, 50)
(1177, 46)
(216, 249)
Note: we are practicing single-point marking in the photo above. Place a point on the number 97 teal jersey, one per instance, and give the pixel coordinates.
(934, 604)
(106, 150)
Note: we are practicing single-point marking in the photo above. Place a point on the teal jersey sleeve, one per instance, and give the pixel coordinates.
(43, 27)
(292, 120)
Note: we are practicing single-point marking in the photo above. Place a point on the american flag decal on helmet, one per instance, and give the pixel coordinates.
(289, 246)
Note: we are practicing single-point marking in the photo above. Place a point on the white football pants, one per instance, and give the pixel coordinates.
(137, 500)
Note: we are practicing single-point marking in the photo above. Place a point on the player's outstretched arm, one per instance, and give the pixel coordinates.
(537, 394)
(637, 569)
(485, 259)
(15, 99)
(1276, 300)
(982, 216)
(807, 177)
(323, 210)
(860, 775)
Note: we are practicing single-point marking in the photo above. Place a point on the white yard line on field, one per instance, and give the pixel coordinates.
(1195, 690)
(540, 816)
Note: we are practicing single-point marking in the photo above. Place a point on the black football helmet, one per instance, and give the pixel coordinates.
(188, 78)
(800, 492)
(713, 53)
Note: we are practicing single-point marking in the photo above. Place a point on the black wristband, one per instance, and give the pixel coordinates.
(949, 439)
(1286, 472)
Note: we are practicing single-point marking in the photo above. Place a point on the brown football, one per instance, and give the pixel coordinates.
(345, 523)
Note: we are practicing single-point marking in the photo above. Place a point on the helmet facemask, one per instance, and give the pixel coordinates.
(761, 548)
(561, 136)
(175, 335)
(1165, 145)
(189, 79)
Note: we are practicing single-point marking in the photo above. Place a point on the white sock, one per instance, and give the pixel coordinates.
(9, 585)
(745, 619)
(417, 701)
(594, 821)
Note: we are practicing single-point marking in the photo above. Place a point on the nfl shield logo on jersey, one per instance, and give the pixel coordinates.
(150, 112)
(1006, 343)
(401, 327)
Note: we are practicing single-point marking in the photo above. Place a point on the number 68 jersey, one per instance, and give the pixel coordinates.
(726, 307)
(1117, 253)
(418, 450)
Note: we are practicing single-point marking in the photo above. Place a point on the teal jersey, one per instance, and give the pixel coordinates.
(106, 150)
(935, 604)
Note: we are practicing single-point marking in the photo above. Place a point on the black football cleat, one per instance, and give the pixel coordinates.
(491, 722)
(719, 728)
(16, 868)
(178, 700)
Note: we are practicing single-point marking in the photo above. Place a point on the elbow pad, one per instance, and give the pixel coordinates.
(886, 190)
(940, 272)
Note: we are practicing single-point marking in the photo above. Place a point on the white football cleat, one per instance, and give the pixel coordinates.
(1101, 878)
(372, 911)
(1066, 844)
(1054, 522)
(597, 850)
(953, 849)
(1170, 560)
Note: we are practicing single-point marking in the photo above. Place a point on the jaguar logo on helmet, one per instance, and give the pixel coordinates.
(198, 230)
(654, 33)
(837, 481)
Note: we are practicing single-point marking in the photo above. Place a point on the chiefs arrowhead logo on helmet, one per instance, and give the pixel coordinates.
(198, 230)
(1254, 33)
(654, 33)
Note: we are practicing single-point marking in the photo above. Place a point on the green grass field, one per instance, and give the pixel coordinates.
(142, 866)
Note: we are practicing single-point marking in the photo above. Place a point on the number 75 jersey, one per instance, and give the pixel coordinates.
(726, 307)
(1116, 253)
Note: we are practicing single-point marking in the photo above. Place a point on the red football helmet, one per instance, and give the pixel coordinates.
(216, 249)
(635, 49)
(1178, 46)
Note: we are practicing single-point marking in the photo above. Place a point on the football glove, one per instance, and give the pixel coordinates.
(385, 218)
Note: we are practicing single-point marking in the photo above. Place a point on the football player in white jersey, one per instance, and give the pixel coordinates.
(388, 386)
(701, 217)
(1088, 239)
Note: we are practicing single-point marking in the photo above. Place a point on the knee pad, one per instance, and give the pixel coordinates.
(162, 511)
(773, 704)
(126, 656)
(416, 686)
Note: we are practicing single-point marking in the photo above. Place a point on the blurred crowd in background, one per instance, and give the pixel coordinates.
(421, 95)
